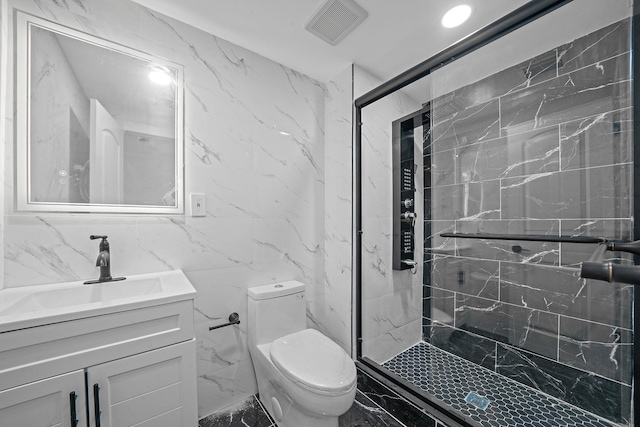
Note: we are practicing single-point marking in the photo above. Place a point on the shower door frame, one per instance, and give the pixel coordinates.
(499, 28)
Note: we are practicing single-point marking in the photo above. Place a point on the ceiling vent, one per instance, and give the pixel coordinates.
(335, 20)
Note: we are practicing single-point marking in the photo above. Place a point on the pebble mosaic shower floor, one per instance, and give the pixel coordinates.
(466, 387)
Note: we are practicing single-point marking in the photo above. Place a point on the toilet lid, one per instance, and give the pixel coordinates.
(313, 361)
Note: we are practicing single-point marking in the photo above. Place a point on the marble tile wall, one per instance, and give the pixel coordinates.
(5, 121)
(544, 147)
(338, 172)
(264, 191)
(391, 300)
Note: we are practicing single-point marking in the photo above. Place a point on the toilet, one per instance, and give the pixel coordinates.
(304, 378)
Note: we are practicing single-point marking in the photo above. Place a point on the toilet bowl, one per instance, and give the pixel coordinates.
(304, 378)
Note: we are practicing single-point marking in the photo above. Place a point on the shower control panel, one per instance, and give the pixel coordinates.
(404, 215)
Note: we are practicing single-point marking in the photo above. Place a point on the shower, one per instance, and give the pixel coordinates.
(518, 160)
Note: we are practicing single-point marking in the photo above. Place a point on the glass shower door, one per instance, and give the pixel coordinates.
(529, 135)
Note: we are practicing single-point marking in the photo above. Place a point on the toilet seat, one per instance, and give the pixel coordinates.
(314, 362)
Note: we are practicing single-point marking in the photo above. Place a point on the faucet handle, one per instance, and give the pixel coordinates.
(104, 244)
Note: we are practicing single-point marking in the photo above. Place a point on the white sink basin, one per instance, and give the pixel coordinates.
(32, 305)
(99, 292)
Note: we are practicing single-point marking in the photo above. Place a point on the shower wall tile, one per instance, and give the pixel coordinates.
(468, 276)
(536, 196)
(612, 229)
(442, 168)
(607, 42)
(595, 89)
(521, 154)
(539, 287)
(481, 351)
(377, 256)
(533, 330)
(458, 127)
(542, 67)
(583, 389)
(472, 200)
(389, 344)
(400, 308)
(561, 290)
(609, 303)
(605, 139)
(608, 193)
(510, 250)
(435, 243)
(592, 193)
(371, 323)
(529, 153)
(441, 305)
(481, 161)
(604, 350)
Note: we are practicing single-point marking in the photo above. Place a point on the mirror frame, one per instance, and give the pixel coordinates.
(24, 23)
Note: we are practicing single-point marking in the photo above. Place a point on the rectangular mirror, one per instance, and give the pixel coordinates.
(99, 125)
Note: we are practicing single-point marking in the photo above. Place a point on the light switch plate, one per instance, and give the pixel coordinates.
(197, 205)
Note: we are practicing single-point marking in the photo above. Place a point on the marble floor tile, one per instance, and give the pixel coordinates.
(247, 414)
(363, 413)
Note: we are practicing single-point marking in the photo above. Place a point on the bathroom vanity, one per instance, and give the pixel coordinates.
(109, 354)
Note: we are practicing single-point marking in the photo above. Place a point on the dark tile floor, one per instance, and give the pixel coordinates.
(363, 413)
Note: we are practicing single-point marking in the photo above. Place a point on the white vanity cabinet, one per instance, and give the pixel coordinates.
(51, 402)
(122, 364)
(147, 390)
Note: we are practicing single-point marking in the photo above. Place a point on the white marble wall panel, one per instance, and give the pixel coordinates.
(264, 190)
(390, 344)
(338, 209)
(392, 300)
(53, 248)
(5, 120)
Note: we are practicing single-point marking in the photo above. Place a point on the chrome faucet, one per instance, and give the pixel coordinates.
(104, 262)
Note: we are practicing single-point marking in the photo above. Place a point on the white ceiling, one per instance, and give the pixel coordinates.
(396, 35)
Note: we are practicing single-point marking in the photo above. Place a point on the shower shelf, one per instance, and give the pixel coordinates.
(527, 237)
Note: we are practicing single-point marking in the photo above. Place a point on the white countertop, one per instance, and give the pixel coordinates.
(29, 306)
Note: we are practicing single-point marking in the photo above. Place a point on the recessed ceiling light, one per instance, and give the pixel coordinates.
(456, 16)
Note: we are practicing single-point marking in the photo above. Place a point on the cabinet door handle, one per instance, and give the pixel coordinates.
(96, 404)
(72, 405)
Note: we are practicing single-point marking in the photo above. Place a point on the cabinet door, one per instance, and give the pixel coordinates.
(152, 389)
(46, 403)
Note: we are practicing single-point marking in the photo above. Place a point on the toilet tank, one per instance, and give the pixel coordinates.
(276, 310)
